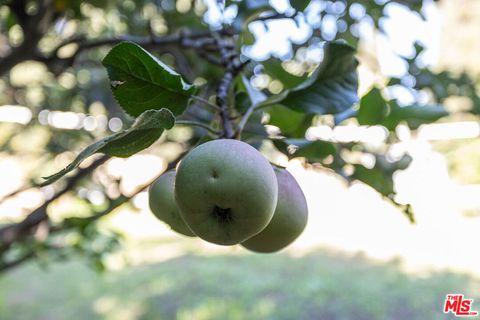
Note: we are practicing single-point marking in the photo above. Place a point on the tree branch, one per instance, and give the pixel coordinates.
(14, 232)
(34, 28)
(209, 57)
(9, 265)
(201, 41)
(233, 65)
(114, 203)
(275, 16)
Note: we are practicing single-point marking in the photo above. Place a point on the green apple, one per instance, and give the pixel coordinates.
(289, 219)
(162, 203)
(226, 191)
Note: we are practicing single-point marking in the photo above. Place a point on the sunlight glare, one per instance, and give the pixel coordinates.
(15, 114)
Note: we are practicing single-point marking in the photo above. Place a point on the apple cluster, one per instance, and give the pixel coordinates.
(225, 192)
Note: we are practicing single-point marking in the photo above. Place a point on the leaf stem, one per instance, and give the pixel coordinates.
(206, 102)
(245, 118)
(247, 114)
(197, 124)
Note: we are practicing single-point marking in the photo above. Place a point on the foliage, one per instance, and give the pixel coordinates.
(375, 110)
(168, 64)
(141, 82)
(146, 129)
(330, 89)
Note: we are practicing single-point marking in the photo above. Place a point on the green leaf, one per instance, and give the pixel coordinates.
(274, 68)
(380, 177)
(331, 89)
(394, 81)
(375, 178)
(242, 101)
(98, 264)
(191, 20)
(414, 115)
(313, 151)
(246, 38)
(74, 5)
(247, 10)
(141, 82)
(79, 223)
(144, 132)
(373, 108)
(299, 5)
(291, 123)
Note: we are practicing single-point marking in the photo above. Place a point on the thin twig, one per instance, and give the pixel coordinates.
(117, 202)
(85, 44)
(197, 124)
(209, 57)
(16, 192)
(200, 41)
(274, 16)
(10, 264)
(114, 203)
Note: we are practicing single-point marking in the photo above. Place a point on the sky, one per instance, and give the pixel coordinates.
(402, 29)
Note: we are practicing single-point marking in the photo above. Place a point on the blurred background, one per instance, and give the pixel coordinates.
(390, 245)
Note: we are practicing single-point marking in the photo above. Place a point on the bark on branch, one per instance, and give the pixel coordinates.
(231, 61)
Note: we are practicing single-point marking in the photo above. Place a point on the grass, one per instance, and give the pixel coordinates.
(321, 285)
